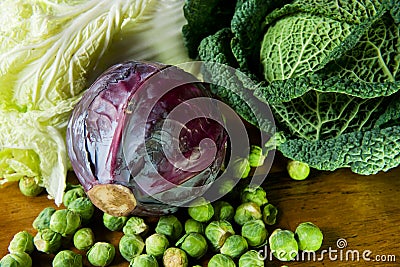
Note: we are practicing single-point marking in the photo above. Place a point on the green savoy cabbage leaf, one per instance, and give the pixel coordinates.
(329, 70)
(50, 52)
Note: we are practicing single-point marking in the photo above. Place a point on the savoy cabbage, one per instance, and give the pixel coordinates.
(329, 71)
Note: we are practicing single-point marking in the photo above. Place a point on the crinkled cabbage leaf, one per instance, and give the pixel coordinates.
(329, 70)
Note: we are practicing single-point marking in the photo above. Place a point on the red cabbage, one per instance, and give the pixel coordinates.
(127, 151)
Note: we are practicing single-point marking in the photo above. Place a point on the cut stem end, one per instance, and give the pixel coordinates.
(116, 200)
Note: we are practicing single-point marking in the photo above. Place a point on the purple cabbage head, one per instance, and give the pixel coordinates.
(145, 138)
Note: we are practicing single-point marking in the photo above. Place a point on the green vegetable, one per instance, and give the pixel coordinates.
(84, 238)
(21, 242)
(114, 223)
(194, 244)
(175, 257)
(223, 210)
(254, 232)
(269, 213)
(193, 226)
(329, 73)
(254, 194)
(131, 246)
(221, 260)
(170, 226)
(144, 260)
(65, 222)
(234, 246)
(29, 186)
(72, 194)
(67, 258)
(283, 245)
(251, 258)
(47, 241)
(42, 221)
(256, 156)
(298, 170)
(62, 47)
(309, 236)
(156, 244)
(84, 207)
(246, 212)
(16, 259)
(201, 210)
(217, 232)
(241, 167)
(209, 16)
(101, 254)
(16, 164)
(135, 226)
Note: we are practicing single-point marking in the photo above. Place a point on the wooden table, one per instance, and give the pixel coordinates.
(360, 211)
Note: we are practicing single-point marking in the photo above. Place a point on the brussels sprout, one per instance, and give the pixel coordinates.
(65, 222)
(217, 232)
(144, 260)
(298, 170)
(254, 194)
(131, 246)
(170, 226)
(194, 244)
(256, 156)
(201, 210)
(101, 254)
(251, 258)
(70, 186)
(241, 168)
(67, 258)
(309, 236)
(16, 259)
(83, 239)
(75, 192)
(84, 207)
(114, 223)
(234, 246)
(42, 221)
(47, 241)
(29, 186)
(223, 210)
(269, 214)
(135, 226)
(193, 226)
(254, 232)
(21, 242)
(221, 260)
(156, 244)
(246, 212)
(175, 257)
(283, 245)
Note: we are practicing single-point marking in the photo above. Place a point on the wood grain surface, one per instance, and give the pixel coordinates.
(360, 214)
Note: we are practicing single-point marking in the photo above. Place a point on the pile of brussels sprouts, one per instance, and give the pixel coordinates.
(56, 228)
(218, 234)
